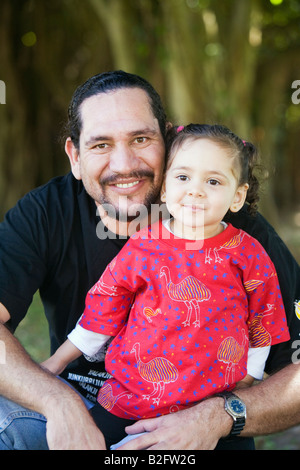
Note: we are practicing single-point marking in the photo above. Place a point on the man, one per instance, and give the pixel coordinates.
(60, 237)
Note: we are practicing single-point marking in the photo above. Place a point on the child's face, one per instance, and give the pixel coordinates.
(200, 186)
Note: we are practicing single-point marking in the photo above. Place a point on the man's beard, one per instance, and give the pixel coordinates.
(130, 213)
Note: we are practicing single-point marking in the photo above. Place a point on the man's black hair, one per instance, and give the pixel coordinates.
(105, 82)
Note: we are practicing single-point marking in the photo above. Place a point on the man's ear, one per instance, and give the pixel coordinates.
(74, 158)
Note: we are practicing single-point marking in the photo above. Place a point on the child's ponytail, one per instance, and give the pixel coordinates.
(250, 155)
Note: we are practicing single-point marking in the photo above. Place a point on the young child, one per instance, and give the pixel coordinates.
(193, 304)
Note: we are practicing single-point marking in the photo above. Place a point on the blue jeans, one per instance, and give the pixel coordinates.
(23, 429)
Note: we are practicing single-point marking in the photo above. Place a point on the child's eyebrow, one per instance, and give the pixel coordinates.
(181, 167)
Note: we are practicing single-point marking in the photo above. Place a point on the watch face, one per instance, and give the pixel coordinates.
(236, 406)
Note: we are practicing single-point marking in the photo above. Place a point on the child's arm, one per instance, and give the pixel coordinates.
(79, 341)
(246, 382)
(65, 354)
(255, 366)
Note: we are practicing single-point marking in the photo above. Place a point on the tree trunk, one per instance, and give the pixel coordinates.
(118, 18)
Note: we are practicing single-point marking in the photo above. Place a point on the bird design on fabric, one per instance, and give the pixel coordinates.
(106, 397)
(297, 309)
(252, 284)
(149, 312)
(190, 290)
(234, 242)
(159, 371)
(101, 288)
(258, 335)
(231, 352)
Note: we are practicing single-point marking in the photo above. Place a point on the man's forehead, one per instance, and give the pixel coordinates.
(122, 100)
(124, 109)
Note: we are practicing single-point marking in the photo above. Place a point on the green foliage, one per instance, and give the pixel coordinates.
(33, 331)
(231, 62)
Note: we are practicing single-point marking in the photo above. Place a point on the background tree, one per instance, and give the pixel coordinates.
(231, 62)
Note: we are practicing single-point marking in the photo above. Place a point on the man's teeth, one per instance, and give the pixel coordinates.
(127, 185)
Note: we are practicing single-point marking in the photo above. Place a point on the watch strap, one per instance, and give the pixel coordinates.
(237, 427)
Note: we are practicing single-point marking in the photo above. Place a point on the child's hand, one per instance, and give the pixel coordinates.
(65, 354)
(52, 365)
(246, 382)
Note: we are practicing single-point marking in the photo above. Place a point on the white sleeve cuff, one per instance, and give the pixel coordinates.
(256, 361)
(88, 342)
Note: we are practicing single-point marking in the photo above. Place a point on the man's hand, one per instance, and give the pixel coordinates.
(198, 427)
(69, 424)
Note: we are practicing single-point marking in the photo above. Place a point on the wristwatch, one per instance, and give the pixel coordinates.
(236, 408)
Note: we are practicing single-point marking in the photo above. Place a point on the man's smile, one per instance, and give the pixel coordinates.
(126, 185)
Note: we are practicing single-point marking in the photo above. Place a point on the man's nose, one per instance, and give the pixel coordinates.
(123, 160)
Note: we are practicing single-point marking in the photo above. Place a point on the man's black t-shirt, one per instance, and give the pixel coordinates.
(48, 241)
(54, 241)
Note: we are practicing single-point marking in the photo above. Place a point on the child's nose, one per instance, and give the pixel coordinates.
(196, 190)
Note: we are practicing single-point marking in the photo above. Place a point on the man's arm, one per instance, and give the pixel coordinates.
(69, 425)
(4, 315)
(272, 406)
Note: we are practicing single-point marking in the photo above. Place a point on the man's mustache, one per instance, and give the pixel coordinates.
(117, 177)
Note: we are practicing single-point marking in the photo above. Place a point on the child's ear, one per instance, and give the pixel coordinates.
(163, 192)
(239, 198)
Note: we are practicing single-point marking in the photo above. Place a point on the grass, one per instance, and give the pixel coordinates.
(286, 440)
(33, 331)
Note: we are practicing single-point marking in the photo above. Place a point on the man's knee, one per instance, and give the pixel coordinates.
(20, 428)
(24, 434)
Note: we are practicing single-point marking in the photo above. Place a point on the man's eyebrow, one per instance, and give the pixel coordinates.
(99, 138)
(146, 130)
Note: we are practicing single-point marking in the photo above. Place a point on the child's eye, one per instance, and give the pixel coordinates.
(213, 182)
(182, 177)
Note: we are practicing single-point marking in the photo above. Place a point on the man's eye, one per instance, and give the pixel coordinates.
(103, 145)
(141, 140)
